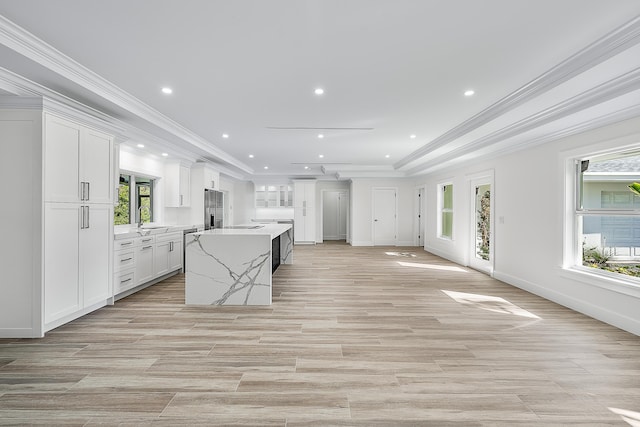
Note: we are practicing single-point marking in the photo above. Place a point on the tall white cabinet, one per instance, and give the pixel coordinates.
(304, 211)
(61, 213)
(78, 219)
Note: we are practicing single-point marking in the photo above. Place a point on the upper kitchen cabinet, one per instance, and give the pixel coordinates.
(274, 196)
(203, 177)
(78, 162)
(177, 185)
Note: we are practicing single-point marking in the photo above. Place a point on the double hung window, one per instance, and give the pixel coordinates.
(607, 214)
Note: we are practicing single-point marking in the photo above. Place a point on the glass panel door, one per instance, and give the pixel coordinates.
(481, 250)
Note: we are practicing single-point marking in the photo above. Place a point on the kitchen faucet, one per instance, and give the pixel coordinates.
(140, 221)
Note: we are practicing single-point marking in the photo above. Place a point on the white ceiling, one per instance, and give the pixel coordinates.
(390, 68)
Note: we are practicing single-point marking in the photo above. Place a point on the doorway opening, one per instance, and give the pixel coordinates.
(335, 215)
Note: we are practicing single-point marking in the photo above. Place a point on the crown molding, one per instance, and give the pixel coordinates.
(29, 46)
(586, 126)
(21, 103)
(616, 41)
(613, 88)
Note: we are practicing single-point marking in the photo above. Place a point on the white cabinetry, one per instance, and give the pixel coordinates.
(78, 218)
(140, 261)
(168, 253)
(124, 265)
(274, 196)
(63, 261)
(304, 212)
(144, 259)
(177, 185)
(202, 176)
(78, 163)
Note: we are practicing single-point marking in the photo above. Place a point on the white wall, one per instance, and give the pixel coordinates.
(21, 219)
(361, 209)
(529, 197)
(228, 187)
(244, 202)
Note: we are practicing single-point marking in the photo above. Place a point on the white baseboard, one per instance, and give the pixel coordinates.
(446, 255)
(587, 308)
(405, 243)
(20, 333)
(361, 243)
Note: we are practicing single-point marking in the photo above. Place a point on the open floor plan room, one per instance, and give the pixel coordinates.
(382, 336)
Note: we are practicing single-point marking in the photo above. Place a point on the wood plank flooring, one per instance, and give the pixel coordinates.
(355, 337)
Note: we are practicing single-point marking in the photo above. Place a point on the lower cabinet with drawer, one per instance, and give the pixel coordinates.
(142, 260)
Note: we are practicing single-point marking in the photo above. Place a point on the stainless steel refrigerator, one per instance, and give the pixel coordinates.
(213, 209)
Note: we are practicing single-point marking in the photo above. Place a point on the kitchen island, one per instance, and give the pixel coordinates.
(234, 265)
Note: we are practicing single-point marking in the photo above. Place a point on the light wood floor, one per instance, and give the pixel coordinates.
(353, 338)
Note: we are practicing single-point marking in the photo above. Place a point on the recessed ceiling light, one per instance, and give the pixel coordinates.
(167, 90)
(165, 154)
(387, 156)
(320, 136)
(266, 167)
(469, 92)
(306, 167)
(412, 136)
(318, 91)
(140, 145)
(225, 135)
(251, 156)
(321, 155)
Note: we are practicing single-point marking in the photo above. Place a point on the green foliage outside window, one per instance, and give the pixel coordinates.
(121, 212)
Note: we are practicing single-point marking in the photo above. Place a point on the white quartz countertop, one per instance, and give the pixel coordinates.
(273, 230)
(148, 230)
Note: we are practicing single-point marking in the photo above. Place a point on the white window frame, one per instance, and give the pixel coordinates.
(572, 267)
(440, 210)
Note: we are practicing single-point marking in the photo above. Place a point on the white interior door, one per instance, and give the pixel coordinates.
(481, 248)
(384, 216)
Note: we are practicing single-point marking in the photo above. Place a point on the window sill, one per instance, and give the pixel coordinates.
(605, 280)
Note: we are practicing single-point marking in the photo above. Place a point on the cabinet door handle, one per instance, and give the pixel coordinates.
(147, 247)
(88, 191)
(81, 217)
(125, 243)
(126, 259)
(87, 216)
(82, 190)
(125, 281)
(181, 200)
(170, 246)
(304, 203)
(304, 211)
(146, 240)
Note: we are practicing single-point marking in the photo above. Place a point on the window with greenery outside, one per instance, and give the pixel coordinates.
(608, 213)
(446, 225)
(121, 212)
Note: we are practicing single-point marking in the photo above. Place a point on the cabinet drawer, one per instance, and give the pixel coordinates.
(123, 244)
(146, 241)
(168, 237)
(124, 259)
(123, 281)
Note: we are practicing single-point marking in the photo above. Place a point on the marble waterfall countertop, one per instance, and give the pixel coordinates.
(233, 266)
(148, 230)
(273, 230)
